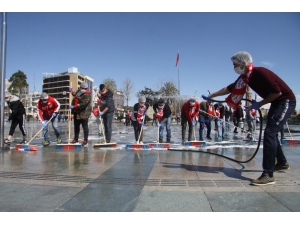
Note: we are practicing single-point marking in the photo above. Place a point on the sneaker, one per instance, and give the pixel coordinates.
(84, 143)
(59, 140)
(160, 141)
(100, 134)
(6, 141)
(209, 138)
(168, 141)
(264, 179)
(75, 141)
(23, 142)
(235, 131)
(141, 143)
(46, 143)
(201, 139)
(282, 167)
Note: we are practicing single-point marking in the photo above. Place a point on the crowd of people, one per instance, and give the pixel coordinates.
(270, 87)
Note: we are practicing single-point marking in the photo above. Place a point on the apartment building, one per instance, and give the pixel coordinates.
(57, 85)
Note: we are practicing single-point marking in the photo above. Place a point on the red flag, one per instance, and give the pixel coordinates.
(177, 59)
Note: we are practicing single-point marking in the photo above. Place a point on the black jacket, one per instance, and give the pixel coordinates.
(239, 112)
(228, 112)
(108, 102)
(17, 108)
(167, 111)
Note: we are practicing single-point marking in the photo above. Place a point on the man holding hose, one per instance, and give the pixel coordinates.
(273, 90)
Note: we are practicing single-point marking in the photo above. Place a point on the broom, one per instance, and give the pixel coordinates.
(120, 132)
(195, 142)
(69, 145)
(138, 145)
(104, 145)
(159, 145)
(27, 147)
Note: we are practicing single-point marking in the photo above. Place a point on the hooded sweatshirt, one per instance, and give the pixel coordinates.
(16, 106)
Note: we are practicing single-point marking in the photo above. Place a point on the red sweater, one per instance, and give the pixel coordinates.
(47, 109)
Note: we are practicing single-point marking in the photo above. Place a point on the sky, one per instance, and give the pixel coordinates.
(142, 45)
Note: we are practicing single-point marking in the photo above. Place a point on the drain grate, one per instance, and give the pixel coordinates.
(142, 182)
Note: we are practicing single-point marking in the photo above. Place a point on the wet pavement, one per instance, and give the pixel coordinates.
(179, 179)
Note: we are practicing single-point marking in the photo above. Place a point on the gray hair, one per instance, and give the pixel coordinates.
(7, 94)
(44, 95)
(83, 85)
(142, 98)
(242, 56)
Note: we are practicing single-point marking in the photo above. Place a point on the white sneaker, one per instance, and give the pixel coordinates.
(141, 143)
(6, 141)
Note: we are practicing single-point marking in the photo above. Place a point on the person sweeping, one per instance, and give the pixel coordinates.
(47, 108)
(81, 109)
(17, 117)
(138, 118)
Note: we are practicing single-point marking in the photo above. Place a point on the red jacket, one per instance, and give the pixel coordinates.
(189, 110)
(47, 109)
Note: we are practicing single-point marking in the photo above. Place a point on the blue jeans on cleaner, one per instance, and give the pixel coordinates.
(278, 114)
(167, 124)
(220, 126)
(204, 121)
(54, 122)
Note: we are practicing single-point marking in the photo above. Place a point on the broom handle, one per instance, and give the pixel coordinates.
(138, 141)
(102, 129)
(289, 131)
(194, 133)
(70, 96)
(157, 134)
(99, 119)
(39, 131)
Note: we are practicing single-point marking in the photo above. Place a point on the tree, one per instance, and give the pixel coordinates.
(170, 91)
(151, 96)
(127, 89)
(18, 82)
(110, 84)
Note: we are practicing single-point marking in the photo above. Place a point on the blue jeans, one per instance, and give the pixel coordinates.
(220, 126)
(107, 122)
(168, 128)
(54, 122)
(277, 116)
(204, 121)
(227, 125)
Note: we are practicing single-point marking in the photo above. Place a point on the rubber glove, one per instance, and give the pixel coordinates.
(6, 120)
(96, 89)
(201, 111)
(141, 123)
(71, 106)
(159, 125)
(101, 113)
(254, 105)
(206, 97)
(54, 114)
(44, 124)
(70, 89)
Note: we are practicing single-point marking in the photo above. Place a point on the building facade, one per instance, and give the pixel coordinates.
(57, 86)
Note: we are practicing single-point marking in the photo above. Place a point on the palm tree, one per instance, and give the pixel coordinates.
(170, 91)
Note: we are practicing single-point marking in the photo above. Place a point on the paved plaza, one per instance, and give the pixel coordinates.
(181, 179)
